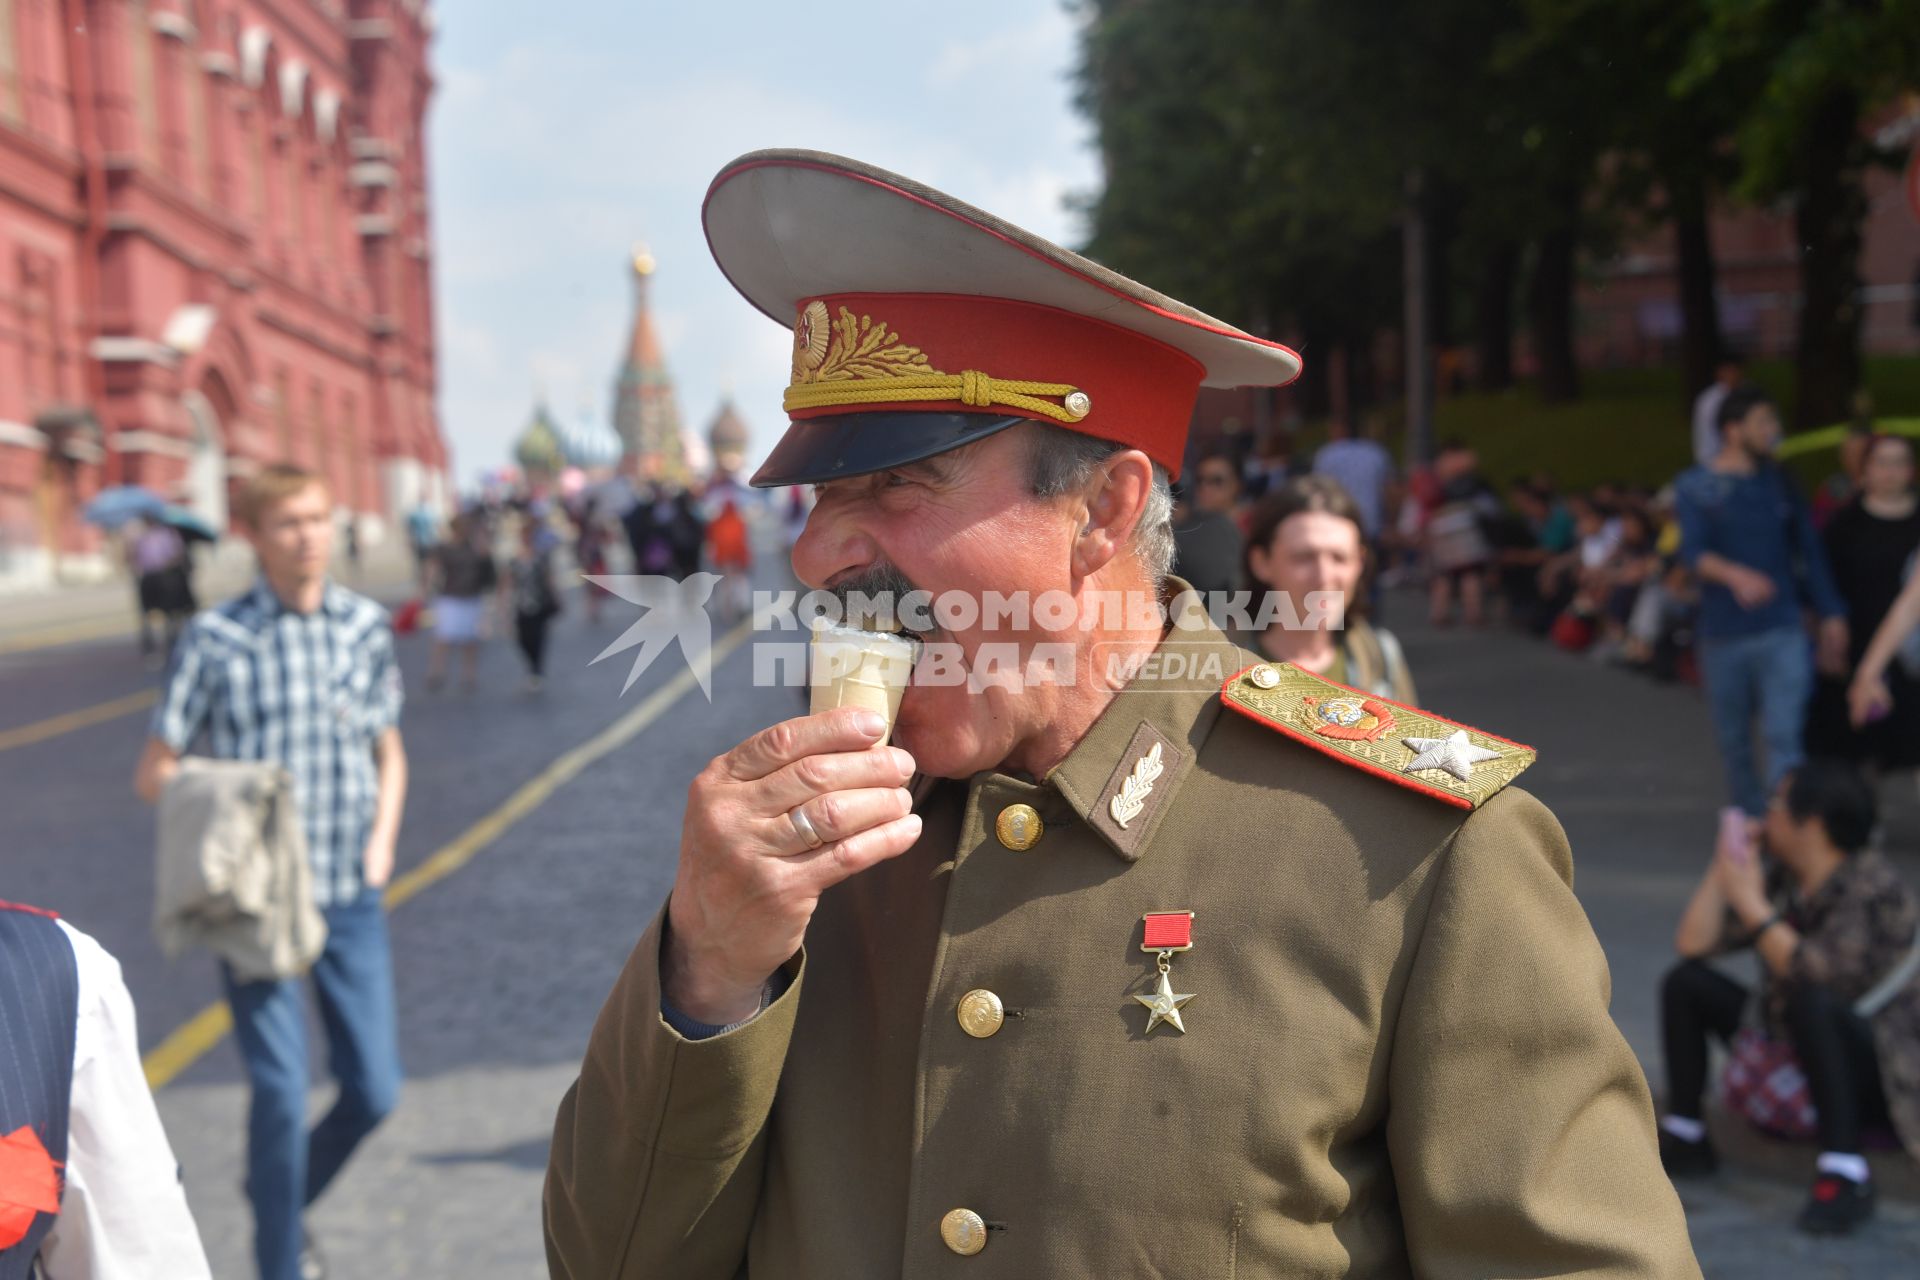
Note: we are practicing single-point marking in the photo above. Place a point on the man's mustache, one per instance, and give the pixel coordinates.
(872, 598)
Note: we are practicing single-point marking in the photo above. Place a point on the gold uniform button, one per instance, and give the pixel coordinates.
(964, 1231)
(980, 1012)
(1019, 827)
(1264, 677)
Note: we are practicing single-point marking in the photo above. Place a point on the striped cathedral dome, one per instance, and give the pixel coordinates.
(590, 443)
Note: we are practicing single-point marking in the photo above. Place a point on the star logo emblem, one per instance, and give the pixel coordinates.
(1454, 754)
(1163, 1005)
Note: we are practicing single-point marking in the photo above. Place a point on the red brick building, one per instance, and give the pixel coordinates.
(214, 254)
(1629, 308)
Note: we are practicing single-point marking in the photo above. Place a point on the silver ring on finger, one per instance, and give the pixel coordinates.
(804, 825)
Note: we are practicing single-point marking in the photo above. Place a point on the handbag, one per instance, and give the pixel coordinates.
(1763, 1084)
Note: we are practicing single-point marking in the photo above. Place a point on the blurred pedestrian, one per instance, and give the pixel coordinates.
(1871, 543)
(423, 535)
(731, 555)
(533, 597)
(300, 671)
(1270, 465)
(1747, 536)
(1843, 485)
(1207, 545)
(1727, 375)
(1838, 1030)
(1308, 538)
(648, 524)
(590, 557)
(1458, 550)
(89, 1187)
(1364, 469)
(160, 566)
(464, 576)
(686, 533)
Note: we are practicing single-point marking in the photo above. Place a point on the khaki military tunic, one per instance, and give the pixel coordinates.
(1397, 1059)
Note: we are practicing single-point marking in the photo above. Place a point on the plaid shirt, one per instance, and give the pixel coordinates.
(311, 691)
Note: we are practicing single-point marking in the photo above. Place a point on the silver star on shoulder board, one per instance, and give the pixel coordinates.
(1454, 754)
(1164, 1006)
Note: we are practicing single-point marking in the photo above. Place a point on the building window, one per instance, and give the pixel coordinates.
(292, 154)
(146, 112)
(39, 334)
(173, 115)
(331, 194)
(199, 152)
(10, 109)
(322, 438)
(283, 413)
(254, 122)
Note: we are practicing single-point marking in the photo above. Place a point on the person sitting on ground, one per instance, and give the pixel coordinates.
(1611, 587)
(1308, 537)
(1835, 933)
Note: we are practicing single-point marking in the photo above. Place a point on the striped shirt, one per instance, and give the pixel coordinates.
(313, 692)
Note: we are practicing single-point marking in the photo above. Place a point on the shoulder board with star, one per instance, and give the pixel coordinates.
(1452, 762)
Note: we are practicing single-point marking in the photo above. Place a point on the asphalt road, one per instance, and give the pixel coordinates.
(502, 964)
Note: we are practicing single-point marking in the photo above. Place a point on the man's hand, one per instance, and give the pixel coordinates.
(1741, 878)
(376, 863)
(1750, 587)
(158, 764)
(748, 881)
(1831, 655)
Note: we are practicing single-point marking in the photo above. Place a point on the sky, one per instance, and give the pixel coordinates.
(562, 134)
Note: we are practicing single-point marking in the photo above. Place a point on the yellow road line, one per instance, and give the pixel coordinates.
(40, 731)
(67, 633)
(193, 1038)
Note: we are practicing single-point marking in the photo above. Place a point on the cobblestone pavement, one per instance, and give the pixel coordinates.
(502, 966)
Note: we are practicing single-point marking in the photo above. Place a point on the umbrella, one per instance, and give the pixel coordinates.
(188, 524)
(113, 507)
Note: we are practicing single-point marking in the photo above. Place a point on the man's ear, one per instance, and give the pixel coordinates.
(1112, 505)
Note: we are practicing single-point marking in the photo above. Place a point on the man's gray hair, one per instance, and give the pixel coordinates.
(1060, 461)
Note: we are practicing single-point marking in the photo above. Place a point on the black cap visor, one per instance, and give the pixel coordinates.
(816, 450)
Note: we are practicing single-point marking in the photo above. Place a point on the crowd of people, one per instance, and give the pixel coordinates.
(1798, 618)
(506, 559)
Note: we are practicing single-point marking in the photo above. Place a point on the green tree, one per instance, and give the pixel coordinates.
(1825, 69)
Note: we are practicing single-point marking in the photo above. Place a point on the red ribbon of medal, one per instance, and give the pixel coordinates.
(1163, 933)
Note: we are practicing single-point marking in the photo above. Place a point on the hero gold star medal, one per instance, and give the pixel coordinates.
(1166, 932)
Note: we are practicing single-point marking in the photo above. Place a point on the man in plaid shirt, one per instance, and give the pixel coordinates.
(301, 671)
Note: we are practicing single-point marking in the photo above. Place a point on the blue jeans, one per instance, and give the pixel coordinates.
(1769, 675)
(287, 1168)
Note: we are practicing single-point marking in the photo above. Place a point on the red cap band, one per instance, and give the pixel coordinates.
(959, 353)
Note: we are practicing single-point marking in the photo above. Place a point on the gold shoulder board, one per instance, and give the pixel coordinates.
(1402, 744)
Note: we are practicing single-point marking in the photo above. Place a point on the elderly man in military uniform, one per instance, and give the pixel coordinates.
(1099, 976)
